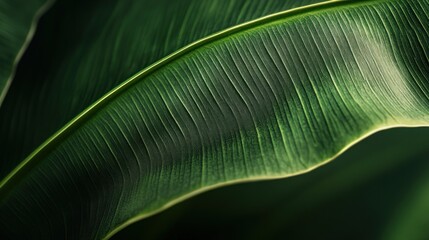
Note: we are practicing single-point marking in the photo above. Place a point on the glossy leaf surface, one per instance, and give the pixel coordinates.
(360, 192)
(85, 49)
(274, 98)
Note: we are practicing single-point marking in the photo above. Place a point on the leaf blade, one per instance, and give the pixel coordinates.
(153, 144)
(90, 55)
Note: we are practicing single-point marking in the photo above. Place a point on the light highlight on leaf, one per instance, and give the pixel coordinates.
(272, 99)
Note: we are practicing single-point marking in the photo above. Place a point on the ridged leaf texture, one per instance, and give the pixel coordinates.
(272, 98)
(84, 50)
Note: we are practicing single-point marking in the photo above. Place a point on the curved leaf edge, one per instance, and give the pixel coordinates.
(7, 183)
(34, 23)
(10, 180)
(32, 160)
(257, 178)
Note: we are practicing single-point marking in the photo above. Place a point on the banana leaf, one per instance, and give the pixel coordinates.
(271, 98)
(364, 194)
(83, 50)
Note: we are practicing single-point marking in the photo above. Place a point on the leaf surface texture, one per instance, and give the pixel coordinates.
(277, 98)
(83, 50)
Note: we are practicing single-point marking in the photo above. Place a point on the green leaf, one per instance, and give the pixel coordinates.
(18, 20)
(357, 193)
(83, 50)
(273, 98)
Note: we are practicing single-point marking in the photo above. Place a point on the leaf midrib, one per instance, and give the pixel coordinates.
(28, 163)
